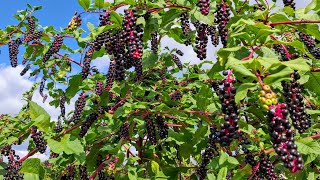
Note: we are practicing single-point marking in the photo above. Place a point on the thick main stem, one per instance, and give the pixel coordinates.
(294, 22)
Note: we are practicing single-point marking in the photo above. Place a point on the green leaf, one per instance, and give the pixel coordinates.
(39, 116)
(280, 74)
(211, 177)
(154, 167)
(32, 168)
(222, 173)
(242, 91)
(223, 158)
(308, 146)
(90, 26)
(115, 18)
(74, 84)
(299, 64)
(68, 144)
(99, 4)
(85, 4)
(233, 160)
(314, 82)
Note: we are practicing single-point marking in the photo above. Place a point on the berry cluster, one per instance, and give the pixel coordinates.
(265, 168)
(83, 172)
(177, 61)
(179, 52)
(58, 128)
(290, 3)
(285, 55)
(99, 88)
(154, 42)
(208, 153)
(110, 76)
(294, 100)
(310, 43)
(162, 127)
(14, 166)
(42, 84)
(79, 106)
(101, 174)
(75, 22)
(229, 108)
(176, 95)
(14, 51)
(222, 19)
(38, 139)
(267, 97)
(184, 19)
(212, 32)
(86, 125)
(62, 105)
(124, 130)
(25, 70)
(201, 41)
(282, 138)
(132, 34)
(259, 7)
(151, 131)
(70, 173)
(162, 73)
(204, 6)
(54, 48)
(33, 37)
(87, 61)
(31, 25)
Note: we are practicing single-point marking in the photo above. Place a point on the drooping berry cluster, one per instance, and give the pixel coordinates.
(310, 43)
(201, 41)
(13, 166)
(31, 25)
(154, 42)
(185, 24)
(25, 70)
(70, 173)
(204, 6)
(132, 34)
(99, 88)
(33, 37)
(87, 124)
(227, 97)
(151, 131)
(176, 95)
(290, 3)
(86, 62)
(179, 52)
(294, 100)
(83, 172)
(42, 84)
(75, 22)
(54, 48)
(79, 106)
(14, 51)
(58, 128)
(282, 138)
(177, 61)
(162, 127)
(222, 19)
(208, 153)
(110, 76)
(265, 168)
(101, 174)
(124, 130)
(267, 97)
(62, 105)
(38, 139)
(212, 32)
(285, 55)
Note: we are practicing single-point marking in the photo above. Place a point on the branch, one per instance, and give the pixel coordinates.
(69, 59)
(315, 70)
(294, 22)
(100, 167)
(31, 153)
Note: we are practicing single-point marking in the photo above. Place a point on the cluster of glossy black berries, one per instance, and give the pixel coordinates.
(53, 155)
(42, 84)
(259, 7)
(222, 19)
(13, 166)
(294, 100)
(162, 73)
(62, 105)
(110, 76)
(282, 138)
(204, 6)
(83, 172)
(265, 168)
(99, 88)
(124, 130)
(201, 40)
(226, 94)
(179, 52)
(151, 131)
(177, 61)
(31, 25)
(311, 45)
(70, 173)
(86, 62)
(75, 22)
(290, 3)
(54, 48)
(185, 24)
(162, 127)
(14, 51)
(154, 42)
(282, 50)
(33, 37)
(38, 139)
(101, 174)
(176, 95)
(79, 106)
(212, 32)
(132, 34)
(87, 124)
(208, 153)
(58, 128)
(25, 70)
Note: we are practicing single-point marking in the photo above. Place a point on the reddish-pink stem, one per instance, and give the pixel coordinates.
(100, 167)
(31, 153)
(294, 22)
(283, 46)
